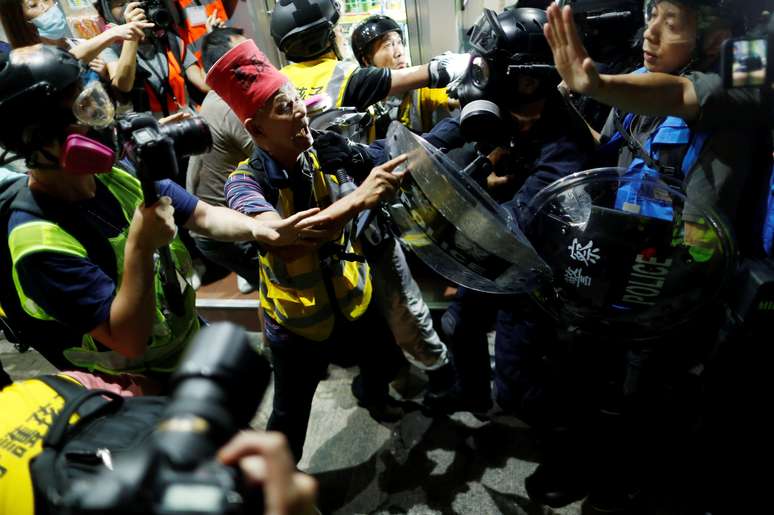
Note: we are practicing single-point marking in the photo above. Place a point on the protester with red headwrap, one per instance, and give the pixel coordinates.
(315, 296)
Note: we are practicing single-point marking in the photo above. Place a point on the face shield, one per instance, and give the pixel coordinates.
(93, 106)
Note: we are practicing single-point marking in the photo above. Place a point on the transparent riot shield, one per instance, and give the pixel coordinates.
(627, 252)
(453, 225)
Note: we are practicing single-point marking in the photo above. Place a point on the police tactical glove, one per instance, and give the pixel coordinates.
(447, 68)
(335, 152)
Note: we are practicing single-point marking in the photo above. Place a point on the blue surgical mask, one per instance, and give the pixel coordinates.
(51, 24)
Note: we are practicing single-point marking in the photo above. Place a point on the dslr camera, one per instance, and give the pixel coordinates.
(158, 13)
(156, 148)
(215, 392)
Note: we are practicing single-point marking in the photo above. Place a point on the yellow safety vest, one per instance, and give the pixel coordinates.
(422, 108)
(28, 408)
(295, 294)
(325, 75)
(171, 333)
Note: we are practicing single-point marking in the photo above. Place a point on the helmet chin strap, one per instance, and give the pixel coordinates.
(33, 162)
(335, 46)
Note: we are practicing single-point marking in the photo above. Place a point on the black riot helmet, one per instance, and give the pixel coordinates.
(303, 29)
(505, 46)
(369, 31)
(35, 83)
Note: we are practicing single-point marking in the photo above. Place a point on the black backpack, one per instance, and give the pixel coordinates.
(109, 426)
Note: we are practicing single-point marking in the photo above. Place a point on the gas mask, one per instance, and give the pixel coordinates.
(504, 46)
(479, 90)
(93, 152)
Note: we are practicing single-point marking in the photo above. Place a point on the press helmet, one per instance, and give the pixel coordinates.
(304, 29)
(34, 83)
(369, 31)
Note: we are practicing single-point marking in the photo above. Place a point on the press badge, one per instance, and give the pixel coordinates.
(196, 15)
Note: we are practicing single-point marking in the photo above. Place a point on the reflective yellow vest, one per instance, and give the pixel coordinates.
(295, 294)
(422, 108)
(171, 333)
(324, 75)
(29, 408)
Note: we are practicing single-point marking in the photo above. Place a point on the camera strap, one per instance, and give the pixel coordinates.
(637, 149)
(162, 75)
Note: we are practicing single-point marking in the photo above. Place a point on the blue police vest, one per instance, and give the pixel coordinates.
(671, 138)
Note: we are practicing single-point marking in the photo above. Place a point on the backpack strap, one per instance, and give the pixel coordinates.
(67, 389)
(76, 403)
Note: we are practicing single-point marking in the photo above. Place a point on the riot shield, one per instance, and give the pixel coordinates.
(453, 225)
(630, 254)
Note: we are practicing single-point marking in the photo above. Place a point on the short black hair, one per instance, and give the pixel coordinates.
(217, 43)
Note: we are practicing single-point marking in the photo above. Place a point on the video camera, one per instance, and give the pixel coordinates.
(215, 392)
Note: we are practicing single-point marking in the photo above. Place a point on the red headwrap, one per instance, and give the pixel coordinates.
(245, 79)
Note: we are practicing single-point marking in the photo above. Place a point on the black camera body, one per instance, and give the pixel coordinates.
(158, 13)
(156, 148)
(215, 392)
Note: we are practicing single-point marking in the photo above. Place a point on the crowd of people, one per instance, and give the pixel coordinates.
(283, 206)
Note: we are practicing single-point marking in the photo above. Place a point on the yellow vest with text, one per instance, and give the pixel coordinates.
(171, 333)
(294, 293)
(28, 409)
(324, 75)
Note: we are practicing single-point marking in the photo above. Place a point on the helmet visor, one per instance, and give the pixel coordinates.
(93, 106)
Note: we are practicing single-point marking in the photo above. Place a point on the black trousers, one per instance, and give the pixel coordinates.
(300, 364)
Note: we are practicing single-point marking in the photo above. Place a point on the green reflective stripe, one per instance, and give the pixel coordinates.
(158, 357)
(40, 236)
(126, 188)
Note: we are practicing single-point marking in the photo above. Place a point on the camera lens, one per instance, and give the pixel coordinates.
(191, 136)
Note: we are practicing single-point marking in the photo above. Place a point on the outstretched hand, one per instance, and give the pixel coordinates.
(294, 230)
(382, 182)
(570, 57)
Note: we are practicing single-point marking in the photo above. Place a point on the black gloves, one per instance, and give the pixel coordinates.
(335, 152)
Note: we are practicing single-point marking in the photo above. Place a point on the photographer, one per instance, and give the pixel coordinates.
(166, 64)
(28, 23)
(199, 17)
(32, 409)
(82, 244)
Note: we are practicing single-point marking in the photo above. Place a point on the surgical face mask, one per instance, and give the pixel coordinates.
(51, 24)
(93, 106)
